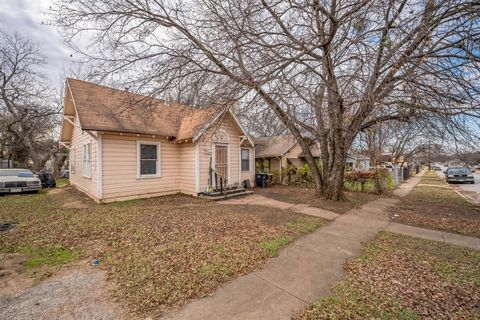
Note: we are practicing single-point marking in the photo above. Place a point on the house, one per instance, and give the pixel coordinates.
(276, 152)
(125, 146)
(351, 162)
(386, 158)
(364, 163)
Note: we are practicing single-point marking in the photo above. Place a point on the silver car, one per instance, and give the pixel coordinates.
(459, 174)
(18, 180)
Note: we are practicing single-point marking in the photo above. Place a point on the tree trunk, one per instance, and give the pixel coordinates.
(332, 188)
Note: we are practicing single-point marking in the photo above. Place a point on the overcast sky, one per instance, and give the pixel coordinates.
(26, 17)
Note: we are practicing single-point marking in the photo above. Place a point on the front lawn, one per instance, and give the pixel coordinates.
(399, 277)
(299, 195)
(434, 204)
(158, 253)
(61, 182)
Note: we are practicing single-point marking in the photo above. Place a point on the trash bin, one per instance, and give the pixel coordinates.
(261, 180)
(47, 179)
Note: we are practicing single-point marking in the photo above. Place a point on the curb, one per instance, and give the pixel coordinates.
(470, 200)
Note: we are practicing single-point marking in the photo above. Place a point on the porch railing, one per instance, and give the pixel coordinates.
(214, 176)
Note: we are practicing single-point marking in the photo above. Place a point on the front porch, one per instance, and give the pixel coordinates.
(218, 187)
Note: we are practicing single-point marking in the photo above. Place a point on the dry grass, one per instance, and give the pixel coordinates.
(399, 277)
(297, 195)
(431, 177)
(158, 253)
(438, 208)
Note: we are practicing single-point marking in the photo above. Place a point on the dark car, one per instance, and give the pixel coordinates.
(459, 174)
(47, 179)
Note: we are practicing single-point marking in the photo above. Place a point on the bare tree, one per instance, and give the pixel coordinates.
(326, 69)
(400, 139)
(374, 141)
(28, 113)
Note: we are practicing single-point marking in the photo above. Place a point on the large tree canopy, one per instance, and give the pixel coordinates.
(326, 69)
(28, 113)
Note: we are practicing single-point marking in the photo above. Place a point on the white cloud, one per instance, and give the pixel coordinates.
(28, 18)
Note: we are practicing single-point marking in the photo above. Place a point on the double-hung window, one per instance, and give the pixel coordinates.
(148, 159)
(245, 153)
(86, 170)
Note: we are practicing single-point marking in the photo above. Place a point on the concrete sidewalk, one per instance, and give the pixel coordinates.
(259, 200)
(304, 271)
(435, 235)
(404, 188)
(301, 274)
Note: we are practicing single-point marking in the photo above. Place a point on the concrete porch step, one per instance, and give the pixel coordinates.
(217, 192)
(230, 194)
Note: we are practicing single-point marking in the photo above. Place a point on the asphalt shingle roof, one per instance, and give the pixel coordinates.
(101, 108)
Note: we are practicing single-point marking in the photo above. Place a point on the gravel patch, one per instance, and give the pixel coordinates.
(73, 294)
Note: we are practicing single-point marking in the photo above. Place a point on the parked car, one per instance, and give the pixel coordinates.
(18, 180)
(437, 168)
(459, 174)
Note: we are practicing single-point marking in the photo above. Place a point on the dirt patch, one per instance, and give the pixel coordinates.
(76, 205)
(302, 195)
(56, 190)
(13, 278)
(79, 293)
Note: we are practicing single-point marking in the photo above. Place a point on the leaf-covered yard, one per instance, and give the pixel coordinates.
(158, 253)
(301, 195)
(399, 277)
(434, 204)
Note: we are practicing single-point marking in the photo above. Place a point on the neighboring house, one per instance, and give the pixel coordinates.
(276, 152)
(350, 163)
(124, 146)
(364, 163)
(386, 159)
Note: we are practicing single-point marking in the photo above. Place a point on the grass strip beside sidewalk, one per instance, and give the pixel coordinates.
(399, 277)
(438, 208)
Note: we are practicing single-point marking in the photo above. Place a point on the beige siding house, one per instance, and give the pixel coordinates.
(276, 152)
(126, 146)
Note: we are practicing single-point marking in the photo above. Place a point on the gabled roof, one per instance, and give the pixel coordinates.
(274, 146)
(100, 108)
(385, 157)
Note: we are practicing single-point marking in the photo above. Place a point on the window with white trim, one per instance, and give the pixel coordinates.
(148, 159)
(245, 153)
(71, 160)
(87, 156)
